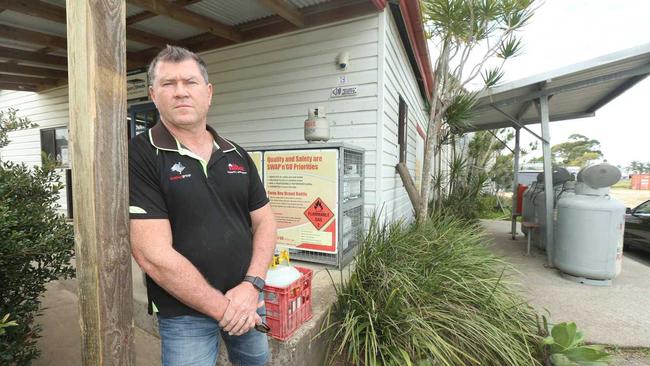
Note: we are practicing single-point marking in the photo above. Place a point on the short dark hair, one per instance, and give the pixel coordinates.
(176, 54)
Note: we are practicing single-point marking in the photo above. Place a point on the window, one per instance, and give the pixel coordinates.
(141, 117)
(54, 143)
(643, 209)
(402, 129)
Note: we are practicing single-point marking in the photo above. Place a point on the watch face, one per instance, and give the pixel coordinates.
(257, 282)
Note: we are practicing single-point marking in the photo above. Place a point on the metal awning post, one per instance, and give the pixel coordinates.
(548, 178)
(515, 185)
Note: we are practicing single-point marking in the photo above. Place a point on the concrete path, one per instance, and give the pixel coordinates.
(60, 341)
(616, 315)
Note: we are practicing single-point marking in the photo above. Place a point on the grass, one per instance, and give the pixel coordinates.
(623, 184)
(431, 294)
(495, 215)
(488, 207)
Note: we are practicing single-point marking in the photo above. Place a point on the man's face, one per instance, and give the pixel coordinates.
(180, 93)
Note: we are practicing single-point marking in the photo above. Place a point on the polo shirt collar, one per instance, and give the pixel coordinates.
(162, 139)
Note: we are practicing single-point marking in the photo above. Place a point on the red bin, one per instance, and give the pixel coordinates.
(521, 188)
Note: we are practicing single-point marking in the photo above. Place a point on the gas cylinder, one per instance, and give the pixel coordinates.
(281, 273)
(317, 127)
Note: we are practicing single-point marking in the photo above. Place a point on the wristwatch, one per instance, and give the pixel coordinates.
(257, 282)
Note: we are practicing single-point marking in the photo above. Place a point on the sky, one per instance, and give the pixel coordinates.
(565, 32)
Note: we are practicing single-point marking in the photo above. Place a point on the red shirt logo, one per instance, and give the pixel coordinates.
(236, 169)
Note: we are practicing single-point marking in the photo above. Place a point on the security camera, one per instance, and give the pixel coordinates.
(342, 60)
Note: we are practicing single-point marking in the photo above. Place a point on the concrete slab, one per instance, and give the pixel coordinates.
(614, 315)
(60, 343)
(61, 340)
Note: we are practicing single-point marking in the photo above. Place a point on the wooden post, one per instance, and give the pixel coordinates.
(97, 104)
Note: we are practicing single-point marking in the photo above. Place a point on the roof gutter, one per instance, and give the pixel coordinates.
(379, 4)
(412, 16)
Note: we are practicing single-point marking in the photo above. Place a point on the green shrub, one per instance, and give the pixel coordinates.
(6, 323)
(10, 121)
(566, 347)
(462, 199)
(490, 208)
(431, 294)
(36, 245)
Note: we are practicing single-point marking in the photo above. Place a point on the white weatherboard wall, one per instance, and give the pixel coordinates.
(49, 109)
(398, 80)
(263, 89)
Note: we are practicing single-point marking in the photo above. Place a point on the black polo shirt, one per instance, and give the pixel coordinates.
(208, 205)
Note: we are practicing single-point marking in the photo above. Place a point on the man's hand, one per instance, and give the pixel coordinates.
(241, 314)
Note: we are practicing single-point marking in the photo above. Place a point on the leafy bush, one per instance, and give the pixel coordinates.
(490, 208)
(431, 294)
(566, 347)
(460, 190)
(36, 245)
(9, 121)
(6, 323)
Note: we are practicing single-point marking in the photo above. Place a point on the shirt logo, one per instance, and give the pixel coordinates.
(236, 169)
(178, 168)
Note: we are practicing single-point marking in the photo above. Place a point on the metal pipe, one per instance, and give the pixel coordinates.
(501, 141)
(548, 178)
(515, 184)
(516, 123)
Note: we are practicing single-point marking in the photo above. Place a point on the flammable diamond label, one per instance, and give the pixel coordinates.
(318, 213)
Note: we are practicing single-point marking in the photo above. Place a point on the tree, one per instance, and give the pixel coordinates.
(36, 245)
(9, 122)
(578, 151)
(461, 30)
(489, 152)
(502, 171)
(637, 167)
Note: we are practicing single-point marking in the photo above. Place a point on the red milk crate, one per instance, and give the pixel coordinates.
(287, 308)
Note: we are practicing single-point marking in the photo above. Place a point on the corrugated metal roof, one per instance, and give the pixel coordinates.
(60, 3)
(130, 9)
(132, 46)
(305, 3)
(231, 12)
(19, 45)
(167, 27)
(234, 12)
(18, 20)
(577, 91)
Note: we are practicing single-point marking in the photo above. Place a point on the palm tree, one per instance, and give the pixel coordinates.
(461, 30)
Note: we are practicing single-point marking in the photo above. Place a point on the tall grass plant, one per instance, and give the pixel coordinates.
(431, 294)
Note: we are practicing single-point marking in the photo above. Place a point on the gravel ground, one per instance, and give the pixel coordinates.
(630, 357)
(630, 197)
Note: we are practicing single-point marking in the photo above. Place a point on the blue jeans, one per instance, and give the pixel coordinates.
(194, 341)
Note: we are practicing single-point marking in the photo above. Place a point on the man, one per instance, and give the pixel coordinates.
(201, 224)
